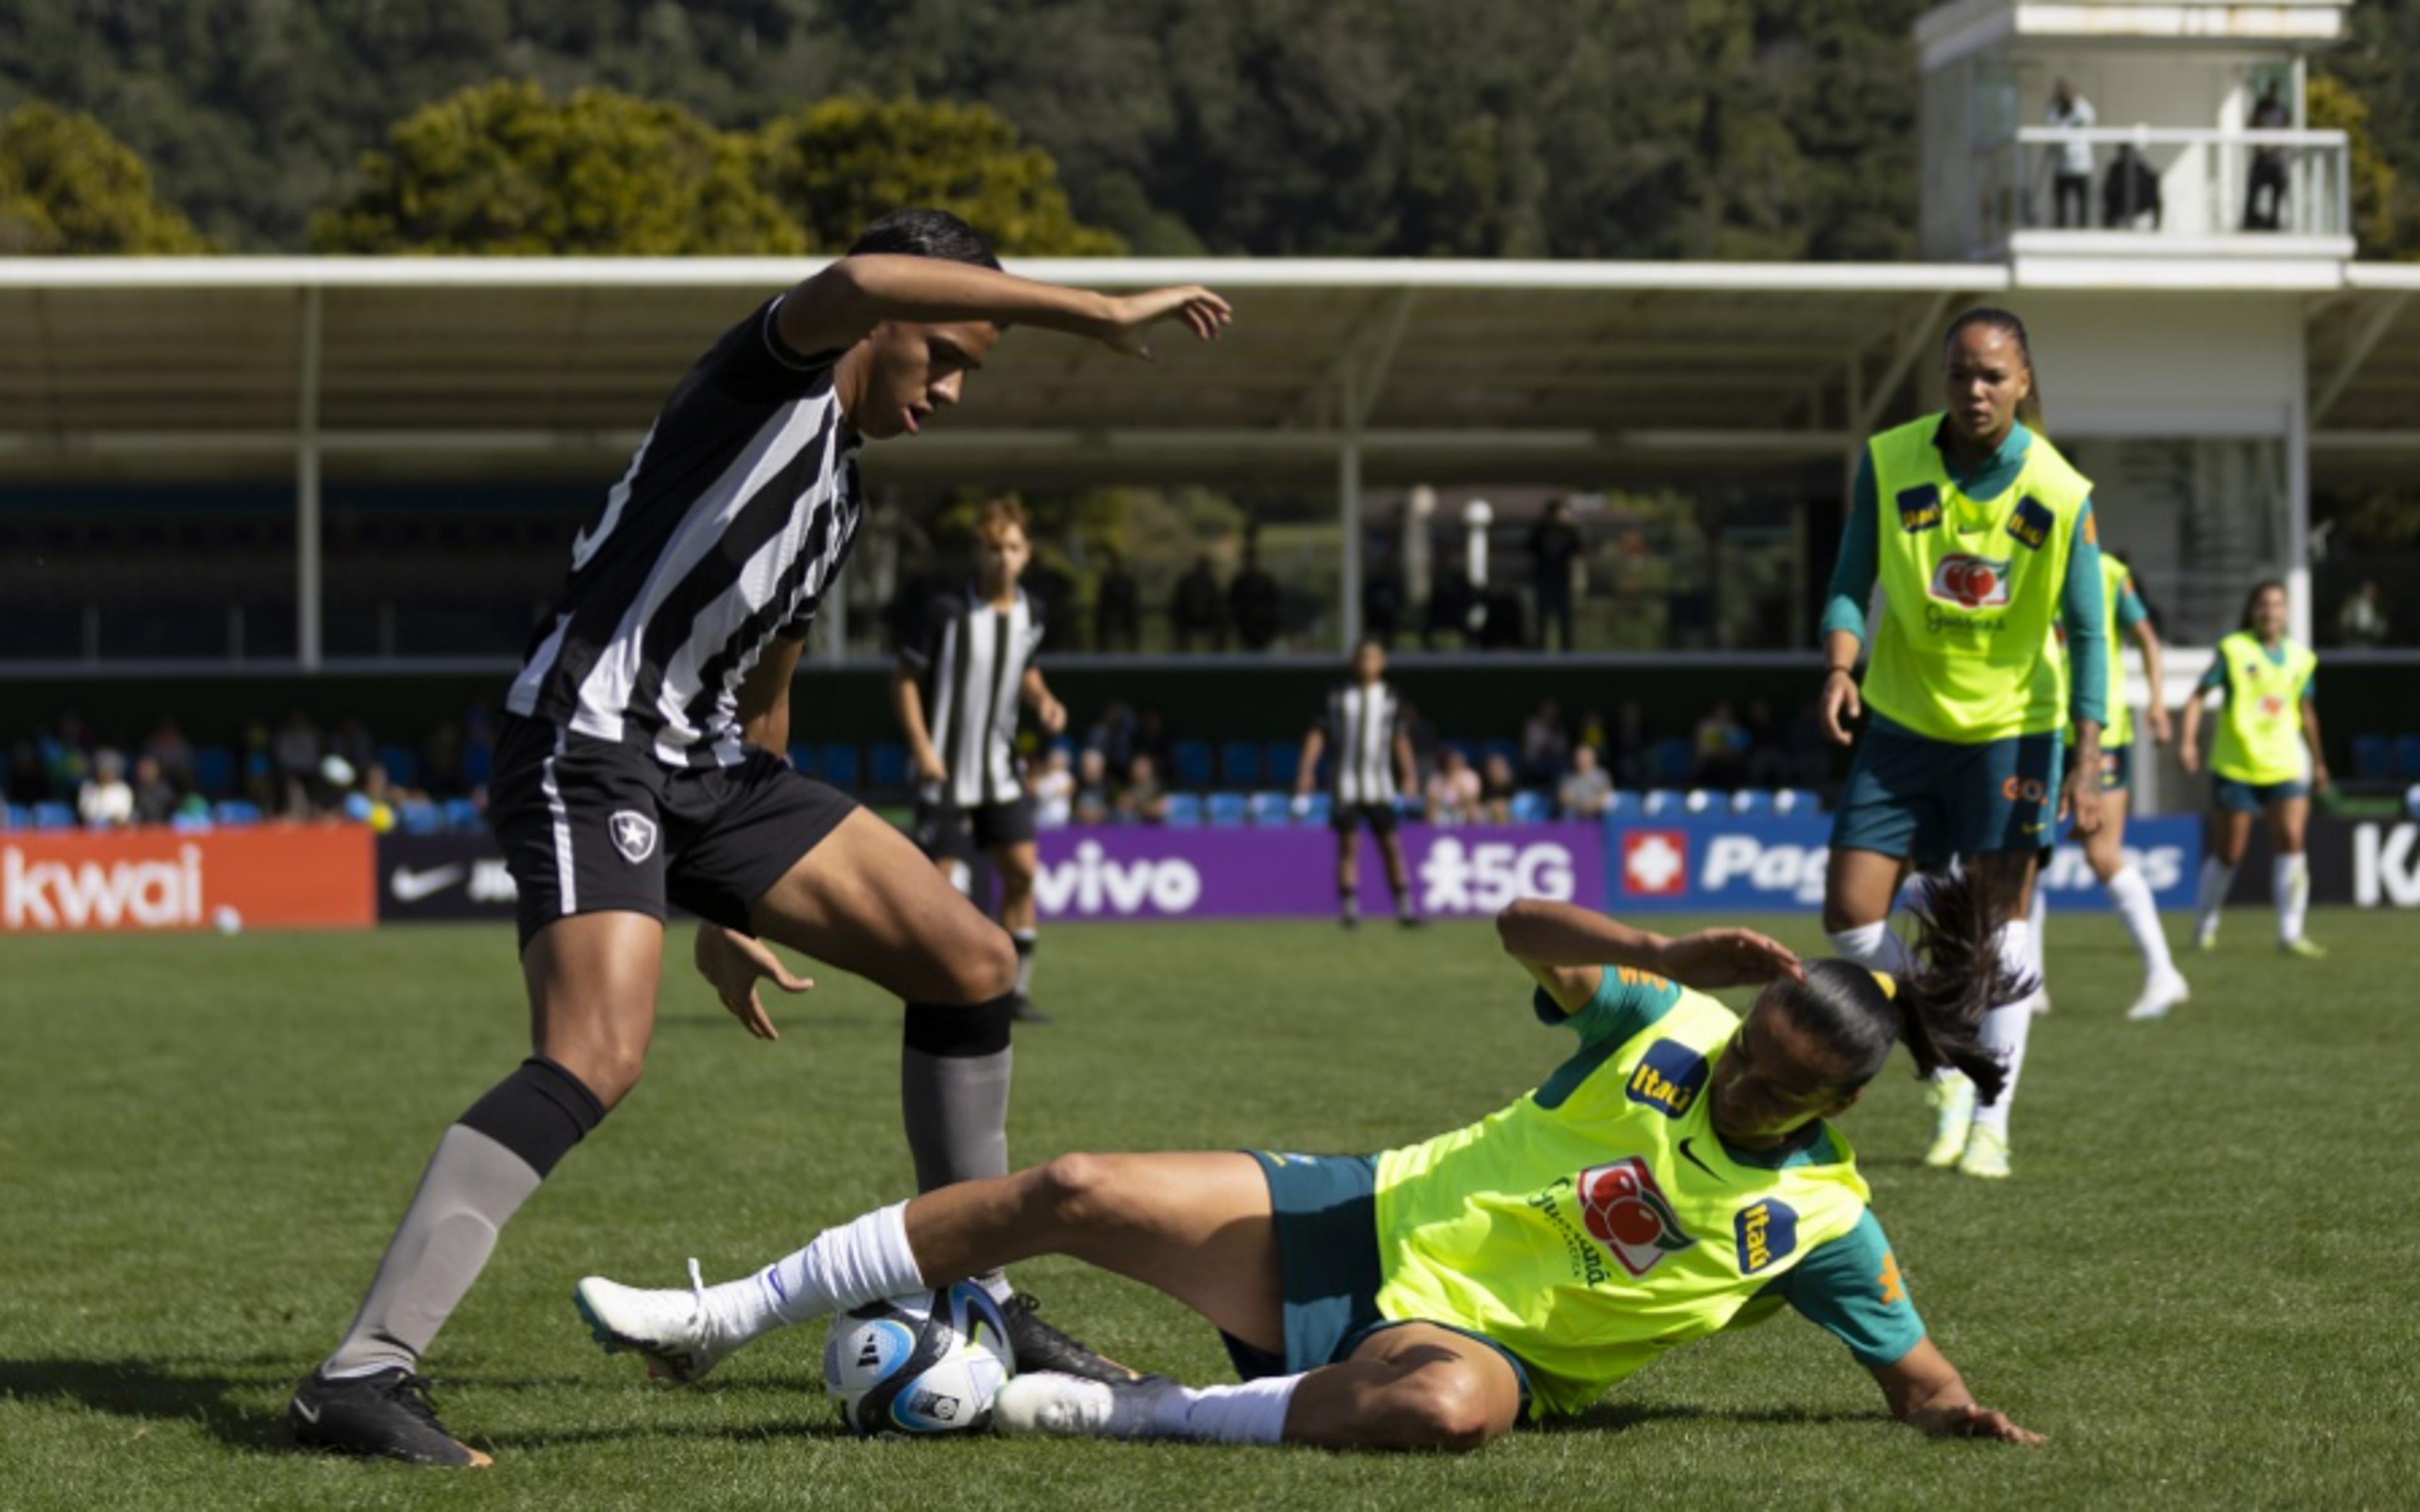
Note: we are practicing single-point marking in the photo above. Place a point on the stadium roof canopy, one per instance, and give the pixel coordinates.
(1437, 370)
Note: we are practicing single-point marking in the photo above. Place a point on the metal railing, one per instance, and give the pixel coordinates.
(2149, 181)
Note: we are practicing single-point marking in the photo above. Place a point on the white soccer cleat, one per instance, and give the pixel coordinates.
(673, 1328)
(1045, 1404)
(2160, 994)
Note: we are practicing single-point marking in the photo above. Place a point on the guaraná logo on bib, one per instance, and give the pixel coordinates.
(1629, 1214)
(1972, 582)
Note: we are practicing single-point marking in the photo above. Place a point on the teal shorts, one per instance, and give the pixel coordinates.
(2117, 769)
(2231, 797)
(1325, 1209)
(1928, 800)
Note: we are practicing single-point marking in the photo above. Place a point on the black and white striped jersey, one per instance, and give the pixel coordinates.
(1361, 735)
(969, 660)
(728, 527)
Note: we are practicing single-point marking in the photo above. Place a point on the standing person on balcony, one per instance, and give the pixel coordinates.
(1979, 535)
(2264, 197)
(2070, 161)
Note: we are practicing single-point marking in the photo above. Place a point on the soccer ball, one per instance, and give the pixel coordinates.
(917, 1364)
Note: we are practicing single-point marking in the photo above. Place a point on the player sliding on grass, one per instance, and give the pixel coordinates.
(1676, 1176)
(641, 765)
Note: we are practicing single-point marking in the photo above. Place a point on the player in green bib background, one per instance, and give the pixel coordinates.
(2258, 763)
(1979, 537)
(2105, 851)
(1677, 1176)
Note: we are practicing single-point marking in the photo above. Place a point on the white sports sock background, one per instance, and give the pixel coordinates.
(2140, 913)
(2007, 1027)
(2209, 895)
(2286, 885)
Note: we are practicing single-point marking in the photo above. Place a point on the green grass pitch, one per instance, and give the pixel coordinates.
(2198, 1284)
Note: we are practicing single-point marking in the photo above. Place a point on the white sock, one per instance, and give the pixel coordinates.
(1873, 947)
(2007, 1026)
(2291, 892)
(2209, 896)
(2039, 917)
(1254, 1412)
(863, 1260)
(2132, 896)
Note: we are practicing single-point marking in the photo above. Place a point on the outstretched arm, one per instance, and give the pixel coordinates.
(1927, 1394)
(840, 305)
(2155, 710)
(1565, 948)
(2311, 737)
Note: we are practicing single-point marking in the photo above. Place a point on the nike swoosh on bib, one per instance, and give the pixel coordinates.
(1690, 1155)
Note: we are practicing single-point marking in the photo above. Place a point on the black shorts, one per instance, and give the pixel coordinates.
(590, 827)
(942, 831)
(1344, 818)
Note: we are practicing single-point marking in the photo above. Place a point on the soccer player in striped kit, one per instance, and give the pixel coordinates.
(640, 767)
(956, 690)
(1362, 731)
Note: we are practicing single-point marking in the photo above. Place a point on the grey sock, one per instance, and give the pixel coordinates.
(954, 1081)
(1024, 940)
(472, 1186)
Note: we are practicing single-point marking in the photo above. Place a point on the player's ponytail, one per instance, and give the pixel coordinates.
(1959, 976)
(1936, 1009)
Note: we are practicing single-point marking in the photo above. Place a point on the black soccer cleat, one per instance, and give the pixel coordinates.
(1021, 1011)
(1040, 1347)
(384, 1416)
(1412, 920)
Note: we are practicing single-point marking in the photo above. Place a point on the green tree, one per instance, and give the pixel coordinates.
(68, 187)
(503, 169)
(840, 162)
(2376, 208)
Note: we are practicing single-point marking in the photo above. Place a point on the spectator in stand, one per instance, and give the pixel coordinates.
(104, 801)
(1586, 791)
(2362, 621)
(1452, 794)
(1382, 603)
(173, 754)
(261, 784)
(1117, 615)
(2071, 160)
(1145, 801)
(2264, 197)
(1255, 602)
(1555, 547)
(1113, 736)
(1593, 731)
(1054, 791)
(440, 758)
(1199, 609)
(1626, 754)
(1545, 750)
(1151, 739)
(295, 757)
(1721, 747)
(155, 796)
(1768, 764)
(1451, 601)
(1497, 785)
(1095, 804)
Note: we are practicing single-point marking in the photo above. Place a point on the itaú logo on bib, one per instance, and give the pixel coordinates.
(1972, 582)
(1629, 1214)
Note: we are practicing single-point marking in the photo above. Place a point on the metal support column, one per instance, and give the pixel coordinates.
(1348, 517)
(2297, 508)
(306, 490)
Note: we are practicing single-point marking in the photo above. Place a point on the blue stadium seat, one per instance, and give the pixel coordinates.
(461, 813)
(1191, 761)
(1664, 801)
(1239, 763)
(1799, 800)
(838, 764)
(802, 760)
(191, 824)
(1184, 812)
(2407, 757)
(54, 816)
(418, 817)
(402, 764)
(1284, 760)
(1530, 807)
(1322, 807)
(16, 816)
(1229, 810)
(2373, 758)
(1272, 809)
(1621, 800)
(1752, 800)
(886, 767)
(235, 811)
(1670, 759)
(479, 763)
(213, 769)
